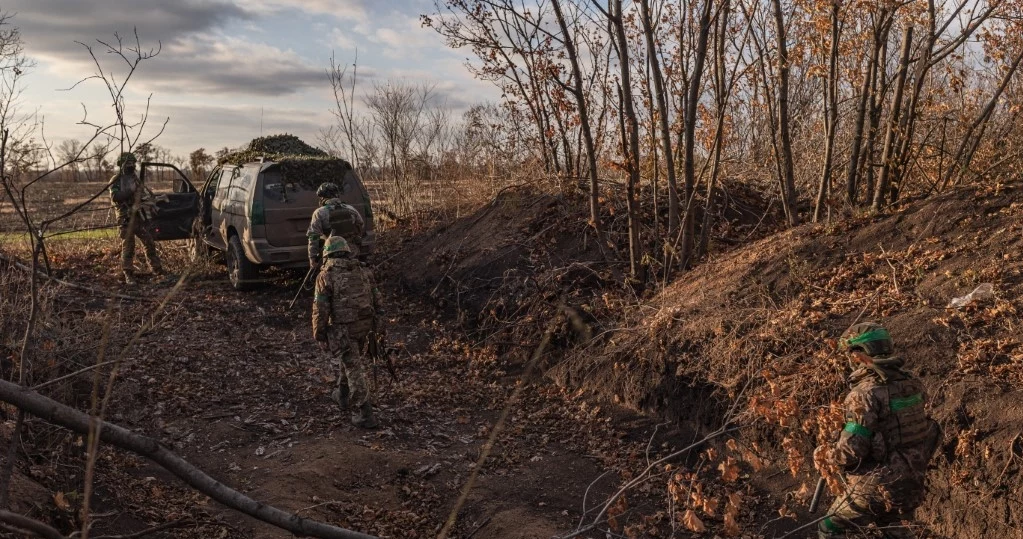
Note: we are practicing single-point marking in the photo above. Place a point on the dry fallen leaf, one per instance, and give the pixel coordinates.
(731, 526)
(729, 470)
(61, 502)
(693, 522)
(803, 493)
(710, 505)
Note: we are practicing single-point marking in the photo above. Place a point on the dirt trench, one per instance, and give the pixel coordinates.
(233, 382)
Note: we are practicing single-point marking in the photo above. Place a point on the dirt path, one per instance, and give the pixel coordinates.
(234, 382)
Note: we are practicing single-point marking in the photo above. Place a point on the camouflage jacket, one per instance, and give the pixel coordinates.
(123, 188)
(886, 424)
(345, 298)
(325, 219)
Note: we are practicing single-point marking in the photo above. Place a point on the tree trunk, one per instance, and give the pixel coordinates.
(830, 117)
(858, 131)
(631, 126)
(788, 170)
(662, 109)
(699, 59)
(891, 137)
(69, 418)
(722, 90)
(584, 118)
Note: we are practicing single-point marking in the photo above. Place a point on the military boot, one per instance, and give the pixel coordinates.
(340, 395)
(363, 418)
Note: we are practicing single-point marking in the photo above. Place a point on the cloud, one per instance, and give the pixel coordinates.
(358, 11)
(230, 65)
(234, 126)
(53, 26)
(194, 55)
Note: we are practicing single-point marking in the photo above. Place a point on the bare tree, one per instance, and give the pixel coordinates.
(71, 151)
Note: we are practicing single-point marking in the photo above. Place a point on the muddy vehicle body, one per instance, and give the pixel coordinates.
(253, 213)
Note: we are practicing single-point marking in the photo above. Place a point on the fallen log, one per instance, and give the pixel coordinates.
(67, 417)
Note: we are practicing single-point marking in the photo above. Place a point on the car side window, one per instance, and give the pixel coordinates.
(241, 186)
(224, 186)
(211, 186)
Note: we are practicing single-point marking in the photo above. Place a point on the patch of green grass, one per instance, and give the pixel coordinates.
(96, 234)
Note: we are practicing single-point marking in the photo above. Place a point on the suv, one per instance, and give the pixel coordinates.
(254, 213)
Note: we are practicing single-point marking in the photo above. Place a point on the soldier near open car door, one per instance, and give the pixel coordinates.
(131, 200)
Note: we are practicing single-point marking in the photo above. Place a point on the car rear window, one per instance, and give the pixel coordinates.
(278, 191)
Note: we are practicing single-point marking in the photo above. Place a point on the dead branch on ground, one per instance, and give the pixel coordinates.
(67, 417)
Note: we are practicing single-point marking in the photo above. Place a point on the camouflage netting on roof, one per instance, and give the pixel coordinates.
(299, 161)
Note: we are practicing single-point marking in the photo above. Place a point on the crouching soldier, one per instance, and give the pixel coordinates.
(344, 315)
(129, 196)
(887, 442)
(333, 218)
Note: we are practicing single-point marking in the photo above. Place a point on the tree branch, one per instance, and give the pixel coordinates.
(28, 524)
(59, 414)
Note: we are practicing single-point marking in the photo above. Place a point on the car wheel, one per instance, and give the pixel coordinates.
(240, 271)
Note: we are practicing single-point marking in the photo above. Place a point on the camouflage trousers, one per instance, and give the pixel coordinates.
(142, 232)
(353, 371)
(880, 498)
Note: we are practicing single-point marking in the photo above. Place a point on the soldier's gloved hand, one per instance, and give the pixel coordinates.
(314, 264)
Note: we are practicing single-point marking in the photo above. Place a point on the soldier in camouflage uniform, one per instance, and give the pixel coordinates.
(345, 311)
(333, 218)
(887, 441)
(128, 196)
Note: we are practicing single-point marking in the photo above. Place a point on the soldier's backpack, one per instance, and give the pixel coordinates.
(353, 298)
(345, 221)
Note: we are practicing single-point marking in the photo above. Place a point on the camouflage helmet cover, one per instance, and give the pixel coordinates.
(868, 337)
(328, 190)
(335, 246)
(126, 157)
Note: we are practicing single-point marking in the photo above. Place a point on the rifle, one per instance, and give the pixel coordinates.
(301, 287)
(817, 492)
(378, 348)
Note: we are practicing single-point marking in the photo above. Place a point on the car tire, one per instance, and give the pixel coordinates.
(240, 271)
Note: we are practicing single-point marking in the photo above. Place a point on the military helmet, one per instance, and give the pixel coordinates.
(335, 245)
(328, 190)
(126, 157)
(868, 337)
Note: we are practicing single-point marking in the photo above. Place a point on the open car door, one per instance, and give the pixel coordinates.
(177, 201)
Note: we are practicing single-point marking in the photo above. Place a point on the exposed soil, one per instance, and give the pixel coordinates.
(233, 383)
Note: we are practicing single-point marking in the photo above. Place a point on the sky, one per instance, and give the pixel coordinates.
(227, 71)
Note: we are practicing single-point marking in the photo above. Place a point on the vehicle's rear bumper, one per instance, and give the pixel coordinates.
(261, 252)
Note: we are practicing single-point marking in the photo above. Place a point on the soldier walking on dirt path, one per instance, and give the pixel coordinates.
(887, 441)
(333, 218)
(131, 200)
(345, 309)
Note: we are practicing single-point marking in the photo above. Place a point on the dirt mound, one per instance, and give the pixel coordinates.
(751, 328)
(503, 271)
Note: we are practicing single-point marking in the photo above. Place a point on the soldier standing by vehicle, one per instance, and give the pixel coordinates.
(887, 442)
(344, 314)
(130, 198)
(333, 218)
